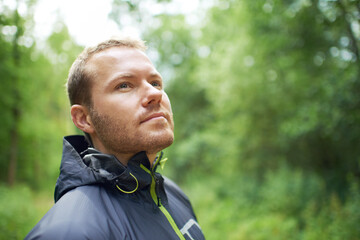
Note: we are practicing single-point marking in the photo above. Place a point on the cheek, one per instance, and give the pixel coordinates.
(114, 104)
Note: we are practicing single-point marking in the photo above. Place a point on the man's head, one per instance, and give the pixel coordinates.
(117, 97)
(79, 81)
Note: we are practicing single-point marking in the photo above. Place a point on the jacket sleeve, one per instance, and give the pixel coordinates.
(77, 215)
(66, 230)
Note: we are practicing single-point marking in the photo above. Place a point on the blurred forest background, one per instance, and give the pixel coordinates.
(266, 100)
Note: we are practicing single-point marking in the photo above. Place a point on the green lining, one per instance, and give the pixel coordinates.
(145, 169)
(162, 208)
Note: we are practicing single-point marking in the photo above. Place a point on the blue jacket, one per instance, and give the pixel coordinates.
(96, 197)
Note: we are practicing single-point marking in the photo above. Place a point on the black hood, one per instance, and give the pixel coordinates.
(83, 165)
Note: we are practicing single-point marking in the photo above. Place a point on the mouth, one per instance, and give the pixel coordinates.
(154, 116)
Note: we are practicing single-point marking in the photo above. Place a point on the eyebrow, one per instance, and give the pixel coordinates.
(127, 75)
(155, 75)
(123, 75)
(130, 75)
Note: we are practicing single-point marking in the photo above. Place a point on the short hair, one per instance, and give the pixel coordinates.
(79, 81)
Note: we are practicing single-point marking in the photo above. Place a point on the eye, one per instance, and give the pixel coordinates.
(122, 85)
(156, 84)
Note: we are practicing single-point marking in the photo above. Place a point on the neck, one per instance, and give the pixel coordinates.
(151, 157)
(124, 158)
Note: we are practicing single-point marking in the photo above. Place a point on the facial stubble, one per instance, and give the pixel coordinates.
(121, 138)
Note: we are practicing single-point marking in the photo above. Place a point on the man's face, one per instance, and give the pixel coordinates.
(130, 111)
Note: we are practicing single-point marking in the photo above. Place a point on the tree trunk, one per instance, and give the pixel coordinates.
(14, 132)
(13, 150)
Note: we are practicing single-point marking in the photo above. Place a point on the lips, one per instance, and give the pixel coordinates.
(154, 115)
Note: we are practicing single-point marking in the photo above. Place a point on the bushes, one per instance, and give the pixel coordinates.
(288, 204)
(18, 213)
(333, 219)
(271, 226)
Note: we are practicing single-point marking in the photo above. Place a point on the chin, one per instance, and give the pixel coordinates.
(161, 142)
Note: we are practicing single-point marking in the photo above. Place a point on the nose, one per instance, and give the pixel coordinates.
(152, 95)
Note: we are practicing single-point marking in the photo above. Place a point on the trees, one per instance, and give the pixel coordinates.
(33, 99)
(15, 43)
(292, 77)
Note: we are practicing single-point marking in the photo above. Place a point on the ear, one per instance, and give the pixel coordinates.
(81, 118)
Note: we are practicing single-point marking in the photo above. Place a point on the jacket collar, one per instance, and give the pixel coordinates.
(83, 165)
(109, 169)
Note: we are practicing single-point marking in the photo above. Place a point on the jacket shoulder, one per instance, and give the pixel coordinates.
(66, 230)
(173, 188)
(75, 216)
(174, 192)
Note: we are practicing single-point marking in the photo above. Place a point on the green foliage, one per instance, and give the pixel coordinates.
(17, 212)
(286, 206)
(33, 100)
(334, 220)
(283, 98)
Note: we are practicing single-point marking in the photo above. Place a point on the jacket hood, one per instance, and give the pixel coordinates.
(83, 165)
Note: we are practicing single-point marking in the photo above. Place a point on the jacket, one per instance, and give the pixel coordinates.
(96, 197)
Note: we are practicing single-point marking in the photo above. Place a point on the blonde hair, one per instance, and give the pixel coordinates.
(79, 81)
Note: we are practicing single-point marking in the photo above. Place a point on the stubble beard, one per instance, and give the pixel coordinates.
(120, 138)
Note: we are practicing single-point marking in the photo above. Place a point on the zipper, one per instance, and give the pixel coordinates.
(157, 190)
(154, 192)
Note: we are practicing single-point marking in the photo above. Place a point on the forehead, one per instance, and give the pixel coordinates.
(119, 58)
(103, 67)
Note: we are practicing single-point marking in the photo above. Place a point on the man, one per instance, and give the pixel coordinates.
(108, 186)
